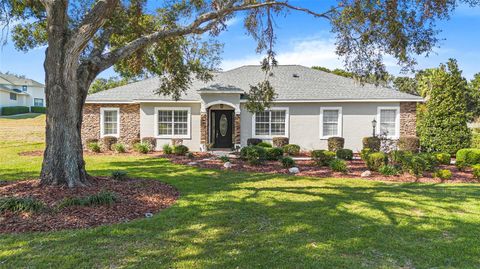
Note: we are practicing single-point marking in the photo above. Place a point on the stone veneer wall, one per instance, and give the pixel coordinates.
(408, 118)
(129, 122)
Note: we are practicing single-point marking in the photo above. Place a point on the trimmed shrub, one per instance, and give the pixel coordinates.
(143, 148)
(14, 110)
(18, 204)
(151, 140)
(476, 171)
(291, 149)
(108, 142)
(287, 162)
(224, 159)
(119, 175)
(101, 198)
(253, 141)
(264, 144)
(443, 158)
(345, 154)
(180, 150)
(443, 174)
(416, 166)
(376, 160)
(254, 155)
(338, 165)
(467, 157)
(274, 154)
(409, 143)
(167, 149)
(38, 109)
(388, 170)
(279, 142)
(373, 143)
(94, 147)
(322, 157)
(119, 148)
(335, 143)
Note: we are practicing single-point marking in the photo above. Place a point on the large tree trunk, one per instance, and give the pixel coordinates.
(63, 162)
(66, 89)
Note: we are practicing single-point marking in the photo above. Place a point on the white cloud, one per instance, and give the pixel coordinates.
(308, 52)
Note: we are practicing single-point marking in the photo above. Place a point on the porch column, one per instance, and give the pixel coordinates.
(203, 131)
(237, 138)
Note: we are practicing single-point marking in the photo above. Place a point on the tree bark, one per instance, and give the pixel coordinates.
(65, 91)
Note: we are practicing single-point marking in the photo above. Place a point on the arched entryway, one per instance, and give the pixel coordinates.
(220, 125)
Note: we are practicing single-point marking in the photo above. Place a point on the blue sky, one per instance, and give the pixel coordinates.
(301, 40)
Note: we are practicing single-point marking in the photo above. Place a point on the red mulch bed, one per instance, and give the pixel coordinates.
(308, 168)
(136, 197)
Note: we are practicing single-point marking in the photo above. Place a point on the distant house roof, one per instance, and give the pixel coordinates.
(18, 81)
(291, 83)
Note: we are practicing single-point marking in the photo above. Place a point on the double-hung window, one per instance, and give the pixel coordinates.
(109, 122)
(37, 102)
(330, 122)
(172, 122)
(13, 96)
(389, 121)
(271, 123)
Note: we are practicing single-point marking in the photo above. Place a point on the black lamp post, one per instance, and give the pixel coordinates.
(374, 125)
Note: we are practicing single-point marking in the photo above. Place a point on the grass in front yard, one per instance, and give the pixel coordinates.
(230, 220)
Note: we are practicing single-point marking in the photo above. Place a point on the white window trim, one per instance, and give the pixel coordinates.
(43, 101)
(287, 124)
(397, 120)
(340, 121)
(187, 136)
(102, 117)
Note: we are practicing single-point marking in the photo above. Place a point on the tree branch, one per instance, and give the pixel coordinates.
(196, 27)
(89, 26)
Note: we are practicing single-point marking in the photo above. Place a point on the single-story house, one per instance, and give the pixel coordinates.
(20, 91)
(310, 107)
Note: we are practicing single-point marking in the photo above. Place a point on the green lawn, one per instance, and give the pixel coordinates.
(236, 220)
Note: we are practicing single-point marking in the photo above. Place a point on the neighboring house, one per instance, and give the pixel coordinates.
(310, 107)
(17, 91)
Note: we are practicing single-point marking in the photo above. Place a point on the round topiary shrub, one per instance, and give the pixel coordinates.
(467, 157)
(287, 162)
(254, 155)
(409, 143)
(274, 154)
(335, 143)
(376, 160)
(180, 150)
(345, 154)
(443, 174)
(322, 157)
(109, 141)
(291, 149)
(443, 158)
(150, 140)
(253, 141)
(373, 143)
(279, 142)
(338, 165)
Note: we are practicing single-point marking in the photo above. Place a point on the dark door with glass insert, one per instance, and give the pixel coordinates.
(222, 128)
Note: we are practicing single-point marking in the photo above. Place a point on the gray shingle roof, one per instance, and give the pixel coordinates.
(19, 81)
(291, 82)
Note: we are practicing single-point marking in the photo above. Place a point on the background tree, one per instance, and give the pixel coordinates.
(86, 37)
(102, 84)
(443, 124)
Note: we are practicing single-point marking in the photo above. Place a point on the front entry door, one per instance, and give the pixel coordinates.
(223, 127)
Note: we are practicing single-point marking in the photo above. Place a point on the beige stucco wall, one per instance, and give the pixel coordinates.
(304, 123)
(147, 124)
